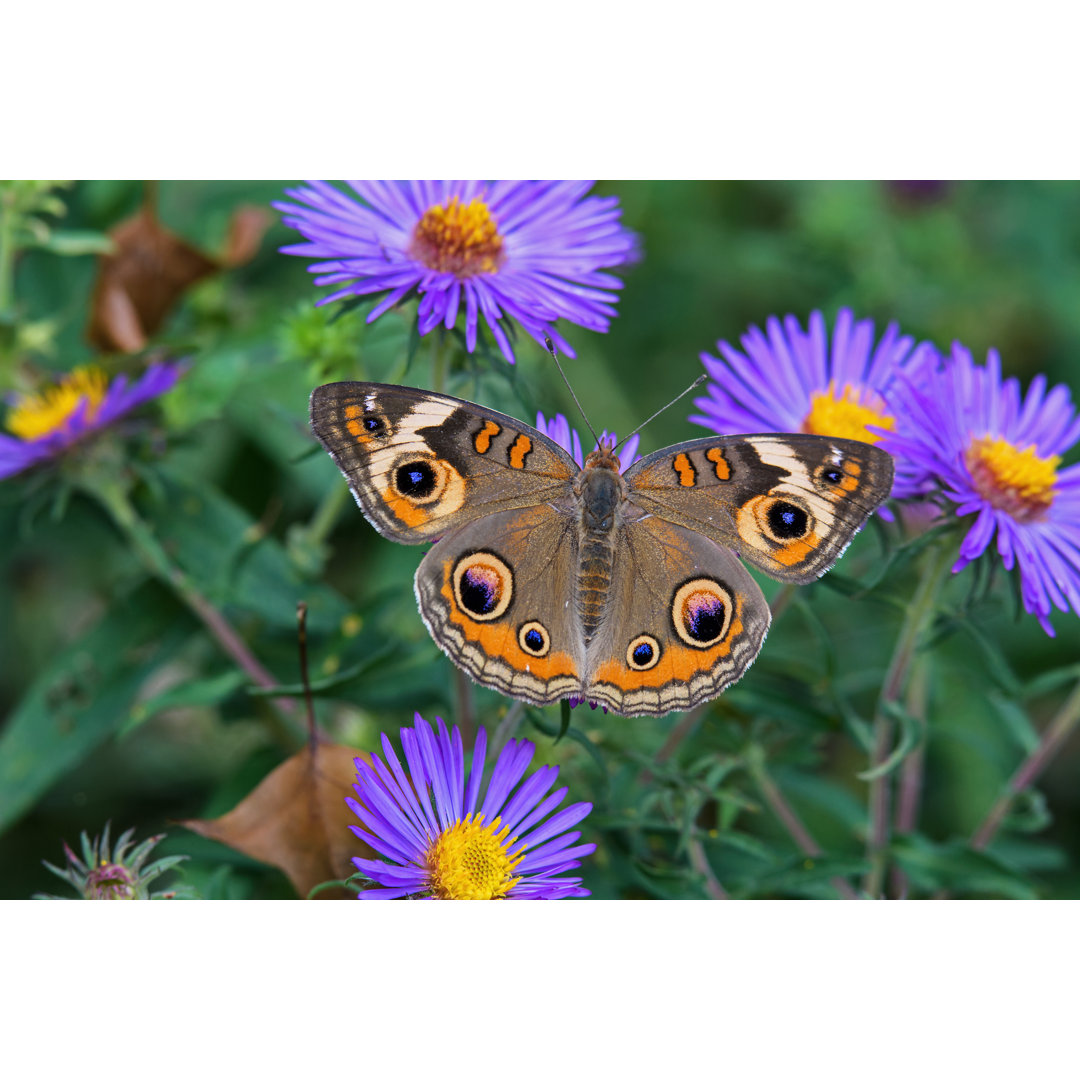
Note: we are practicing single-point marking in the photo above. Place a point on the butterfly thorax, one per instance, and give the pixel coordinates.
(601, 494)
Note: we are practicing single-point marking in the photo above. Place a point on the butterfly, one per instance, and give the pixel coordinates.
(623, 589)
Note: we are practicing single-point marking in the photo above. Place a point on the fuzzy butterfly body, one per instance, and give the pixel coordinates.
(627, 590)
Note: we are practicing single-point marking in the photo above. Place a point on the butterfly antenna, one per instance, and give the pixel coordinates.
(555, 357)
(693, 386)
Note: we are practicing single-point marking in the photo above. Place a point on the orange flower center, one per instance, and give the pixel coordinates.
(847, 414)
(1017, 481)
(459, 239)
(471, 861)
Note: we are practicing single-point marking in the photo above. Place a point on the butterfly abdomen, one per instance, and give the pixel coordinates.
(601, 493)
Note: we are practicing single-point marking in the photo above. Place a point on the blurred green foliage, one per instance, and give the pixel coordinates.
(119, 706)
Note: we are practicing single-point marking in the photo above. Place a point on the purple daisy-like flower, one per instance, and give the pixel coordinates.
(996, 453)
(46, 423)
(521, 250)
(441, 841)
(790, 379)
(559, 429)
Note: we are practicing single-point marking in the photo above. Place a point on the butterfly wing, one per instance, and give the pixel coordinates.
(496, 595)
(683, 621)
(788, 504)
(421, 464)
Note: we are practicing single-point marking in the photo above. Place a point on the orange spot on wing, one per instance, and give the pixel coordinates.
(353, 412)
(851, 481)
(716, 456)
(677, 664)
(796, 551)
(404, 511)
(483, 438)
(499, 639)
(522, 446)
(357, 432)
(687, 476)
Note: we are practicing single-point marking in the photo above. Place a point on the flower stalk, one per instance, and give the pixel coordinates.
(113, 497)
(1057, 731)
(918, 617)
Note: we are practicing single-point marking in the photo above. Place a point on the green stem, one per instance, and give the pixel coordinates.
(114, 499)
(439, 356)
(327, 514)
(507, 728)
(1057, 731)
(8, 215)
(792, 822)
(919, 614)
(700, 862)
(909, 795)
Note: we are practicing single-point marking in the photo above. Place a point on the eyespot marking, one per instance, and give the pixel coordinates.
(534, 639)
(701, 612)
(643, 653)
(415, 480)
(787, 521)
(684, 469)
(362, 426)
(483, 586)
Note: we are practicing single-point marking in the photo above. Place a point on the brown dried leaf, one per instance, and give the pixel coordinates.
(247, 227)
(150, 268)
(297, 820)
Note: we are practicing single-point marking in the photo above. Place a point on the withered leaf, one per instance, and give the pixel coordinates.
(149, 269)
(296, 819)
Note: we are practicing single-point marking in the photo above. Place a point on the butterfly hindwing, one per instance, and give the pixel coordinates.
(494, 595)
(685, 621)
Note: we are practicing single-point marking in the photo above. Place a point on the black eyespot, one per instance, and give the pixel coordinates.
(705, 621)
(534, 639)
(415, 479)
(483, 586)
(373, 423)
(787, 521)
(701, 611)
(479, 591)
(832, 476)
(642, 653)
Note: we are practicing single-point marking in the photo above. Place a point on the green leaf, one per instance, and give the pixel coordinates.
(1051, 680)
(232, 560)
(954, 866)
(329, 682)
(912, 730)
(84, 696)
(197, 692)
(564, 718)
(76, 242)
(1016, 720)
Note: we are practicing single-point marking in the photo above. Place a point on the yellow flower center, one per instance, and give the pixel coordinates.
(36, 415)
(459, 239)
(844, 416)
(1017, 481)
(471, 861)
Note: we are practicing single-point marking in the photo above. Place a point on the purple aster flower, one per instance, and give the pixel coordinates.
(84, 401)
(789, 379)
(559, 429)
(530, 251)
(996, 453)
(443, 842)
